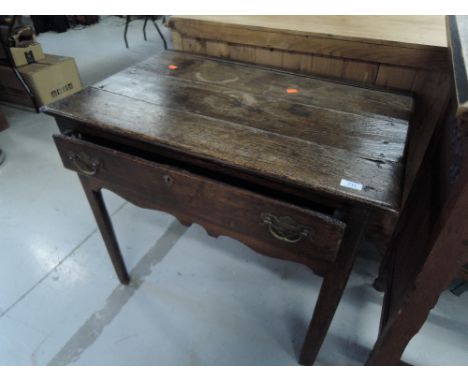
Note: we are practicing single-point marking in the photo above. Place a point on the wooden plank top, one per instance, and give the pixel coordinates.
(293, 129)
(419, 32)
(457, 28)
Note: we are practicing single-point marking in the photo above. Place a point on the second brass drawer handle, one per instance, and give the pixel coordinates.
(284, 228)
(84, 165)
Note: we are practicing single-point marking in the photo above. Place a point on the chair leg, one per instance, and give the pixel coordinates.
(160, 33)
(333, 286)
(144, 28)
(105, 227)
(127, 21)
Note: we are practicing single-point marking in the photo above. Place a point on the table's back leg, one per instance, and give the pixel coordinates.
(333, 286)
(105, 227)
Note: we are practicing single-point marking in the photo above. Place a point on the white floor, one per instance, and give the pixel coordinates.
(194, 300)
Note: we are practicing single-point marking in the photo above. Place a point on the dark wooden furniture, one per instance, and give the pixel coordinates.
(430, 246)
(395, 52)
(290, 165)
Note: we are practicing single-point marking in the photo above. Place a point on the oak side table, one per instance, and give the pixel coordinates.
(292, 166)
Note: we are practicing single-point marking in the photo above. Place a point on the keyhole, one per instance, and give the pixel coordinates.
(168, 180)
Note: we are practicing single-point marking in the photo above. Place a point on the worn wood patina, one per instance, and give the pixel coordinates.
(291, 165)
(429, 248)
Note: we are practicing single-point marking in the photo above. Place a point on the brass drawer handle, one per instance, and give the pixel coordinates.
(284, 228)
(85, 166)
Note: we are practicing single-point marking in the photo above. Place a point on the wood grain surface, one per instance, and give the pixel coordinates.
(243, 117)
(220, 207)
(415, 41)
(396, 52)
(412, 31)
(429, 246)
(219, 143)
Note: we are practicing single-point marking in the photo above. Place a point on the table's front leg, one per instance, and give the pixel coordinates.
(333, 285)
(104, 223)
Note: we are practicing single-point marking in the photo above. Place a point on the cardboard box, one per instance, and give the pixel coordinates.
(51, 79)
(27, 55)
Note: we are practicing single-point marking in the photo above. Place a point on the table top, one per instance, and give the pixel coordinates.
(410, 31)
(332, 139)
(458, 41)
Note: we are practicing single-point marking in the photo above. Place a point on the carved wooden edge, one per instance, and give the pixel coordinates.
(444, 261)
(93, 156)
(404, 314)
(320, 267)
(335, 275)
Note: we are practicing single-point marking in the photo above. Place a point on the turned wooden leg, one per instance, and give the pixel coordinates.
(333, 286)
(105, 226)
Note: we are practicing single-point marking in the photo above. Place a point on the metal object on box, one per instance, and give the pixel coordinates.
(21, 37)
(24, 48)
(27, 55)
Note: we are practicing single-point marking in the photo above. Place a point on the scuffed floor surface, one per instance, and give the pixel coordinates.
(194, 300)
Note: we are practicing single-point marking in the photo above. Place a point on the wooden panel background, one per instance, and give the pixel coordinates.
(427, 32)
(388, 51)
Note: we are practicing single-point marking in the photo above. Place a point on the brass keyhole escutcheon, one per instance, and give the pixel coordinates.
(168, 180)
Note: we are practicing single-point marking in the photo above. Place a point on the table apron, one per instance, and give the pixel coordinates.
(269, 226)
